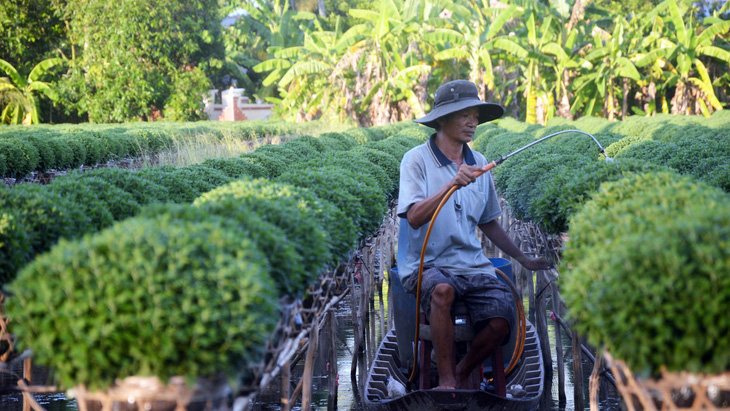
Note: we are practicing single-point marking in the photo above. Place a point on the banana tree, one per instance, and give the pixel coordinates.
(21, 96)
(391, 85)
(472, 38)
(678, 54)
(609, 60)
(531, 50)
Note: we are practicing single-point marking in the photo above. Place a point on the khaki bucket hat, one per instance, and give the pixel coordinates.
(455, 96)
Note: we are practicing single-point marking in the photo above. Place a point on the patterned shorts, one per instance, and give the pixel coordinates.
(485, 296)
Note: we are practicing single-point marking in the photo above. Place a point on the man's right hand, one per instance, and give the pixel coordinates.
(465, 176)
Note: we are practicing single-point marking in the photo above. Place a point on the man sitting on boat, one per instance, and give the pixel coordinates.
(455, 268)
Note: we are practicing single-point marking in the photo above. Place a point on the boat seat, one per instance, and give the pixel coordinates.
(463, 334)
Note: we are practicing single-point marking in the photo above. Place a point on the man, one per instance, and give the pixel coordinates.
(455, 267)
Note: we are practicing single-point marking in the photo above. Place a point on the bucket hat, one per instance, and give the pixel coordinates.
(457, 95)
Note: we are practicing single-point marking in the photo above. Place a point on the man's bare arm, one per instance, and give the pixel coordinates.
(494, 231)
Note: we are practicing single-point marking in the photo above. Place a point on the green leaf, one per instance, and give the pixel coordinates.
(676, 17)
(627, 69)
(273, 64)
(504, 16)
(709, 33)
(302, 69)
(458, 54)
(42, 68)
(12, 73)
(716, 52)
(442, 36)
(510, 47)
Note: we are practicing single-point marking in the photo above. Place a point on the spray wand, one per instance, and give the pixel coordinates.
(451, 191)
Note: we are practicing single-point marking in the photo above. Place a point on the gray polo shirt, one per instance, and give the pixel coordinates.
(453, 244)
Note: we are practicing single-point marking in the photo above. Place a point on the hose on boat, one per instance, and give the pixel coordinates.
(518, 303)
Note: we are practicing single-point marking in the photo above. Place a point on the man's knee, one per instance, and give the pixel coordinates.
(442, 296)
(499, 327)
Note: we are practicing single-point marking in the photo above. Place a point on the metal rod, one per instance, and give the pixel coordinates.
(501, 159)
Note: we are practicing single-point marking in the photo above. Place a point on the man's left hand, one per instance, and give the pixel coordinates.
(535, 264)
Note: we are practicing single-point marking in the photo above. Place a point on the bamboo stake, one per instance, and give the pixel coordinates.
(309, 367)
(332, 394)
(541, 317)
(28, 401)
(559, 345)
(355, 348)
(285, 381)
(577, 373)
(593, 384)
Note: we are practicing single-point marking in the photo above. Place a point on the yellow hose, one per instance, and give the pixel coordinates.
(518, 303)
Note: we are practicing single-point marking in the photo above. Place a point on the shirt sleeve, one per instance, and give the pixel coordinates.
(412, 187)
(492, 210)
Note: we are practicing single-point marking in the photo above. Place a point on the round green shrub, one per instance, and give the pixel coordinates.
(273, 165)
(64, 155)
(568, 189)
(276, 204)
(304, 148)
(94, 151)
(21, 157)
(385, 161)
(280, 253)
(44, 216)
(83, 195)
(301, 144)
(15, 244)
(180, 189)
(119, 203)
(341, 231)
(234, 168)
(46, 153)
(148, 297)
(142, 190)
(209, 177)
(337, 141)
(77, 147)
(356, 163)
(357, 197)
(646, 277)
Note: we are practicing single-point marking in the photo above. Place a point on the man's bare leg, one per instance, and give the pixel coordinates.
(442, 334)
(482, 346)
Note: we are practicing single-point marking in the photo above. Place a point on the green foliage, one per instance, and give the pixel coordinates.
(142, 190)
(567, 189)
(360, 198)
(277, 204)
(286, 265)
(180, 186)
(185, 102)
(356, 163)
(108, 83)
(383, 160)
(234, 168)
(41, 215)
(21, 157)
(337, 141)
(15, 243)
(645, 273)
(273, 161)
(158, 297)
(102, 201)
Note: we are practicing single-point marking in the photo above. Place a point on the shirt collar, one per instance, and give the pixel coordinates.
(442, 160)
